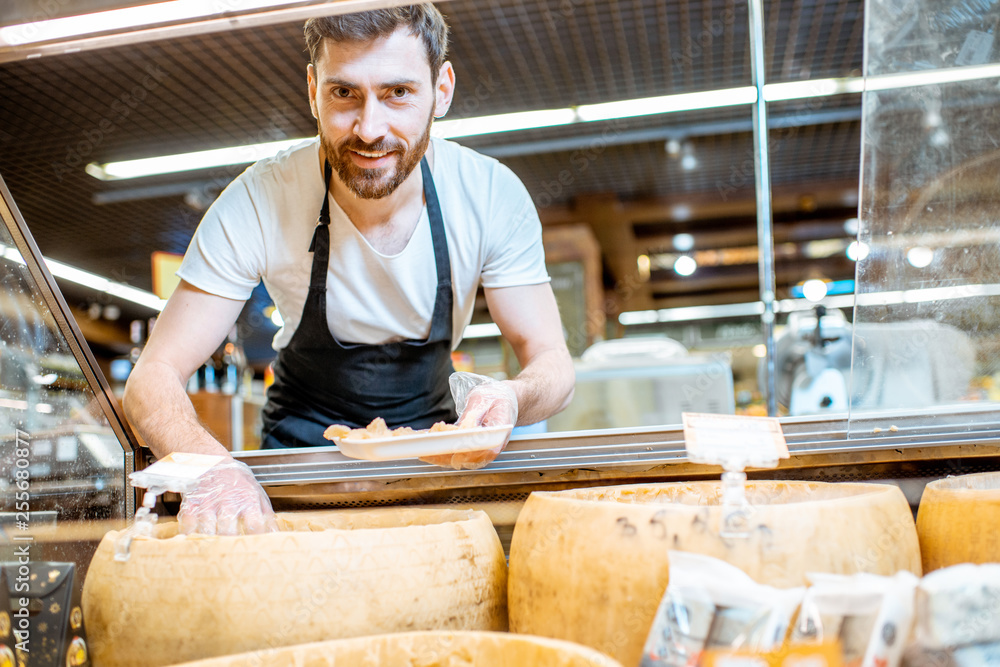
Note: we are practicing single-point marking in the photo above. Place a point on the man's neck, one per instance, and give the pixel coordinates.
(370, 214)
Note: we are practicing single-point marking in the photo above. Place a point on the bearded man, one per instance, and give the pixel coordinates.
(372, 238)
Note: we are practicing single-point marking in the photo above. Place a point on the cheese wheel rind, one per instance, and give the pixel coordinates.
(327, 575)
(957, 521)
(426, 649)
(591, 565)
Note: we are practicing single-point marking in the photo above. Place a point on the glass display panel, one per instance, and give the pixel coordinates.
(814, 269)
(925, 335)
(62, 464)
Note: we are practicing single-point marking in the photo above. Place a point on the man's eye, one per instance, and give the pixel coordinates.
(399, 92)
(341, 92)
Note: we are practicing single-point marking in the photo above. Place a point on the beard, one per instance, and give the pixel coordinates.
(380, 182)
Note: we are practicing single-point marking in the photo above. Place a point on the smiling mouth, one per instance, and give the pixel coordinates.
(373, 156)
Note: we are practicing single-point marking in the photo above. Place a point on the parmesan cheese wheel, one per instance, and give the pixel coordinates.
(327, 575)
(424, 649)
(957, 521)
(591, 565)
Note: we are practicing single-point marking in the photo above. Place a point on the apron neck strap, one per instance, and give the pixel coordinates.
(324, 212)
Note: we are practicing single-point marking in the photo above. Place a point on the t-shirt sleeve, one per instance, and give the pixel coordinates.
(226, 255)
(514, 253)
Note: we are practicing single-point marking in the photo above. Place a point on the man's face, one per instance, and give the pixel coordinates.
(374, 103)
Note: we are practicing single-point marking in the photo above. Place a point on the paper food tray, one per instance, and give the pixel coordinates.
(424, 444)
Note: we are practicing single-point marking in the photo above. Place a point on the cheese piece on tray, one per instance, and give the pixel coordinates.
(377, 442)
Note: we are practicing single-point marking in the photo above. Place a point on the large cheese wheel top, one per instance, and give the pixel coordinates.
(327, 575)
(957, 521)
(425, 649)
(710, 493)
(591, 565)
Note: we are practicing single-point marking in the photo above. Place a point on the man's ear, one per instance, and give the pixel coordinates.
(311, 77)
(445, 90)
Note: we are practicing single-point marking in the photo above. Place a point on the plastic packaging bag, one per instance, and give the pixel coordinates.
(959, 606)
(710, 604)
(870, 615)
(957, 618)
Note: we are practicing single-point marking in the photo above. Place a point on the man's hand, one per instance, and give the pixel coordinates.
(227, 501)
(483, 402)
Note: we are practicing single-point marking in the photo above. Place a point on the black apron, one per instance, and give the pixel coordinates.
(319, 381)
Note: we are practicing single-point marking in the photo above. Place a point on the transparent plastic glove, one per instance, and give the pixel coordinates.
(227, 501)
(481, 401)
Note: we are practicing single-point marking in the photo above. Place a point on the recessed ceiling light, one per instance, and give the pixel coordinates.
(644, 266)
(685, 265)
(857, 251)
(814, 290)
(920, 257)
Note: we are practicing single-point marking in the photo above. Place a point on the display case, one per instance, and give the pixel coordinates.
(66, 455)
(920, 337)
(54, 393)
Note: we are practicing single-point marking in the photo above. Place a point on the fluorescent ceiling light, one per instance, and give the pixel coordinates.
(799, 90)
(12, 255)
(755, 308)
(445, 129)
(481, 331)
(166, 164)
(78, 276)
(92, 281)
(123, 19)
(141, 297)
(709, 99)
(527, 120)
(506, 122)
(932, 77)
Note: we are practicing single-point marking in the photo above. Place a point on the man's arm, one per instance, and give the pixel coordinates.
(192, 326)
(529, 320)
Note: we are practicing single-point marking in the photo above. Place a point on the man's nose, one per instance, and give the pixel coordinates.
(371, 124)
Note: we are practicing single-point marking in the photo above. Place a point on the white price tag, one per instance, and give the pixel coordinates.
(734, 441)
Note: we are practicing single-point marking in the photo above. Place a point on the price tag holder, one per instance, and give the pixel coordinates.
(734, 442)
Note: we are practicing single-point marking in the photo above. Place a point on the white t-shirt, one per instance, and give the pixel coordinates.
(261, 225)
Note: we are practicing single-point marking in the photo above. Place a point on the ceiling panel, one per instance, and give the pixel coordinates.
(246, 86)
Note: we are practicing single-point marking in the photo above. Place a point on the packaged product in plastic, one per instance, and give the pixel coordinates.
(976, 655)
(957, 618)
(870, 615)
(958, 606)
(712, 605)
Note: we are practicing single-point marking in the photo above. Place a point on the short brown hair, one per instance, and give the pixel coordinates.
(425, 21)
